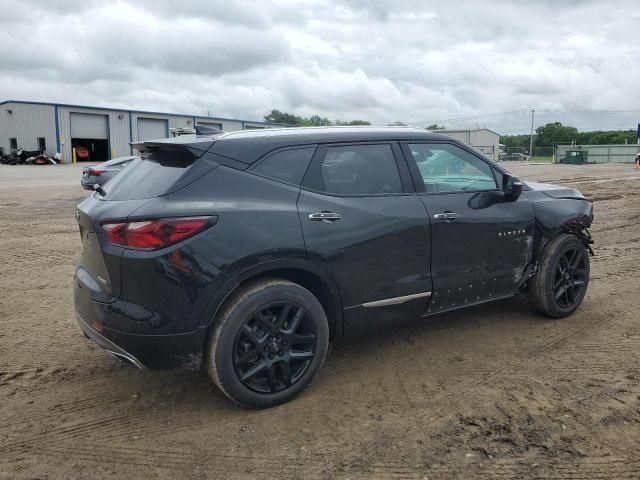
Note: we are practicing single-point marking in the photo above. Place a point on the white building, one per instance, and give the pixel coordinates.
(106, 132)
(482, 139)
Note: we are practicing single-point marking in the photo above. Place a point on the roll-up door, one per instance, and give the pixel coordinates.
(210, 124)
(89, 125)
(152, 128)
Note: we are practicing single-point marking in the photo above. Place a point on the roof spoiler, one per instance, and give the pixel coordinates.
(193, 144)
(207, 130)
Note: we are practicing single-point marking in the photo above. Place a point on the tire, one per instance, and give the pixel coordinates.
(262, 353)
(561, 281)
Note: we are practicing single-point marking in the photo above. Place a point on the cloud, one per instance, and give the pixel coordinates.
(408, 60)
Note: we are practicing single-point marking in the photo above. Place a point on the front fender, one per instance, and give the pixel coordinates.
(559, 215)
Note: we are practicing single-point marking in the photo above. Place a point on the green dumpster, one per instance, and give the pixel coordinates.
(576, 157)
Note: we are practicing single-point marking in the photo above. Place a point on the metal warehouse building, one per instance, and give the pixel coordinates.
(483, 139)
(105, 132)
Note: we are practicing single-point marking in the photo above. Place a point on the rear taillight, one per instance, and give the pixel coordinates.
(154, 234)
(95, 172)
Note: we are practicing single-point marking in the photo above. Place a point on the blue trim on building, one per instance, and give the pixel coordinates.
(130, 134)
(109, 157)
(55, 119)
(26, 102)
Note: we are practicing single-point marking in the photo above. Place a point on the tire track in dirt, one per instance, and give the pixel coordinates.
(227, 465)
(502, 370)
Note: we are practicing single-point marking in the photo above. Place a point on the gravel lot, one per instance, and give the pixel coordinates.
(489, 392)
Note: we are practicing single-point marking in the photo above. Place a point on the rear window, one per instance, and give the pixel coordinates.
(286, 165)
(152, 175)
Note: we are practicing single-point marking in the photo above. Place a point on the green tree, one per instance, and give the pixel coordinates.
(435, 126)
(552, 133)
(316, 121)
(277, 116)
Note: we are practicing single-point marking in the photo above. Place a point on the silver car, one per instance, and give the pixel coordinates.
(103, 172)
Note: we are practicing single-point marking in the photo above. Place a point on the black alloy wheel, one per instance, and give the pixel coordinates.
(274, 347)
(561, 280)
(569, 277)
(268, 343)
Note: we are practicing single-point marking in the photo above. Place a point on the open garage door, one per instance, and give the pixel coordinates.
(152, 128)
(90, 136)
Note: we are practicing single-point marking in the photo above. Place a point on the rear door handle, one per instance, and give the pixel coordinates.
(446, 216)
(326, 217)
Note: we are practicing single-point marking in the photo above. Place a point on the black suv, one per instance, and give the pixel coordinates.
(247, 252)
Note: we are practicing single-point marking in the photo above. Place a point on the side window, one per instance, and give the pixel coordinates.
(448, 168)
(286, 165)
(360, 170)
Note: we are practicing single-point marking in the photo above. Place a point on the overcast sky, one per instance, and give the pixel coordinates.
(402, 60)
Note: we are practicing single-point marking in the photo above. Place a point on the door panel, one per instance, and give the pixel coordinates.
(481, 242)
(369, 232)
(481, 253)
(377, 250)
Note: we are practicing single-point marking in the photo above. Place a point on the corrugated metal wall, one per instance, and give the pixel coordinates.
(227, 125)
(118, 130)
(26, 123)
(483, 140)
(174, 121)
(487, 142)
(460, 135)
(602, 153)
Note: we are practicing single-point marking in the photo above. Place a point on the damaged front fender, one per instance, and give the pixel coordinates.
(557, 215)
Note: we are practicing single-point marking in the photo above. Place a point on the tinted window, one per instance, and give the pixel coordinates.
(151, 175)
(360, 170)
(448, 168)
(287, 165)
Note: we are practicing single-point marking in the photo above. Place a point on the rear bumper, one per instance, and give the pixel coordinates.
(183, 350)
(88, 183)
(147, 338)
(107, 344)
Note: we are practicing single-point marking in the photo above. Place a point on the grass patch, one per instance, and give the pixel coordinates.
(535, 158)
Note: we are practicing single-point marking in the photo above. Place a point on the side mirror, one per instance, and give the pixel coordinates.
(511, 186)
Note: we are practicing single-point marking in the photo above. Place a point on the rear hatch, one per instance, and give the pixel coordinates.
(163, 168)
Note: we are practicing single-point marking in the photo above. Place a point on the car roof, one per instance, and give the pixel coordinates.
(248, 146)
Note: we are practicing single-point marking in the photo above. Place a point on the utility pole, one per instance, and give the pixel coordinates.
(531, 140)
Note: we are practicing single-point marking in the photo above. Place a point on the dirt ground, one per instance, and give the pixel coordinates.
(489, 392)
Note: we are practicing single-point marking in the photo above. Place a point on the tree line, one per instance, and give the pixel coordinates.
(545, 136)
(313, 121)
(554, 133)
